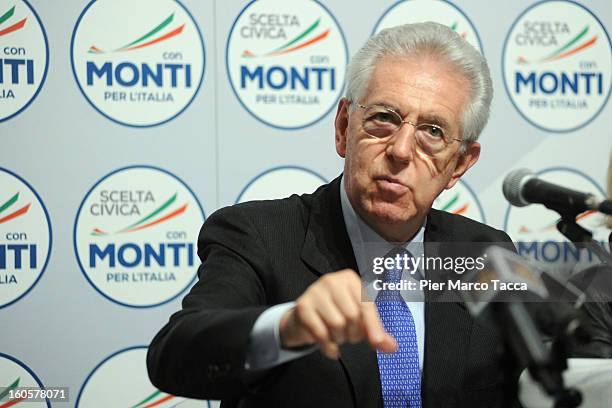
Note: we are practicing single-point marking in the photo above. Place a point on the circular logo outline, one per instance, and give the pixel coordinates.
(101, 363)
(503, 67)
(44, 77)
(548, 170)
(78, 213)
(104, 360)
(272, 169)
(384, 14)
(50, 229)
(29, 370)
(117, 121)
(229, 77)
(476, 200)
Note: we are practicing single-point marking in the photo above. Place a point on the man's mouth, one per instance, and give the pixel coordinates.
(391, 185)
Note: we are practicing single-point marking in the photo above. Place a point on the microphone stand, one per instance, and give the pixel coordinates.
(582, 238)
(545, 366)
(579, 236)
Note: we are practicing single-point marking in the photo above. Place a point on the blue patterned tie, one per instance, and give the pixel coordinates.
(400, 375)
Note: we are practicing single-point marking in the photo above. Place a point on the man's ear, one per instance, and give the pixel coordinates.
(341, 125)
(464, 162)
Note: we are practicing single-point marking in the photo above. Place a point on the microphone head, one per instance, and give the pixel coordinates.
(513, 185)
(502, 265)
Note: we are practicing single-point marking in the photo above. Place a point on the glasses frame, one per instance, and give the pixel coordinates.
(402, 121)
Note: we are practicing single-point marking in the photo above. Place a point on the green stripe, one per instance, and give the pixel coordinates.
(152, 32)
(451, 202)
(299, 37)
(454, 26)
(7, 15)
(154, 213)
(10, 202)
(570, 43)
(149, 398)
(10, 387)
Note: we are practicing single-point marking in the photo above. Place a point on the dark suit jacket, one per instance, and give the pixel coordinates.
(263, 253)
(596, 312)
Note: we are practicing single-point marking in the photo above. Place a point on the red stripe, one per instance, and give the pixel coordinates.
(16, 214)
(156, 403)
(11, 403)
(580, 217)
(575, 50)
(12, 28)
(584, 215)
(167, 217)
(307, 43)
(160, 39)
(461, 210)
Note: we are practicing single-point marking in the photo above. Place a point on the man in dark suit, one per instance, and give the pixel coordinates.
(278, 317)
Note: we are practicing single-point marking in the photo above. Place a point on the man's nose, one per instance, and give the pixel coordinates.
(401, 145)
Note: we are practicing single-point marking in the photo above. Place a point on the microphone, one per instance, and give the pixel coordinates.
(509, 313)
(551, 303)
(521, 187)
(519, 325)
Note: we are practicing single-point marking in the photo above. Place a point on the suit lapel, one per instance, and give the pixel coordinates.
(327, 248)
(447, 331)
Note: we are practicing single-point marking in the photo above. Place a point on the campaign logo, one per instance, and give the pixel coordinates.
(137, 68)
(121, 380)
(460, 200)
(281, 182)
(286, 60)
(443, 12)
(557, 65)
(533, 228)
(14, 375)
(24, 57)
(135, 234)
(25, 237)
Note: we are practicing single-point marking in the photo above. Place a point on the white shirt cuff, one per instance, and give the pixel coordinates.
(265, 350)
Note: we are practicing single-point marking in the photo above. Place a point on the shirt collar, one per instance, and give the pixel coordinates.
(366, 242)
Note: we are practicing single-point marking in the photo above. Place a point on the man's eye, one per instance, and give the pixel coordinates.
(434, 131)
(382, 117)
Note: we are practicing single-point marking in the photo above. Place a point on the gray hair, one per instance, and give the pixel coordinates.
(411, 40)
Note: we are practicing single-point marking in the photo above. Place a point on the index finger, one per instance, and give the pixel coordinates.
(377, 336)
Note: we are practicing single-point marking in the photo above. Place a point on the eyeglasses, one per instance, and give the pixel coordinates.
(382, 122)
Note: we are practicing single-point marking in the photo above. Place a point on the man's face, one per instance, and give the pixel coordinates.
(390, 183)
